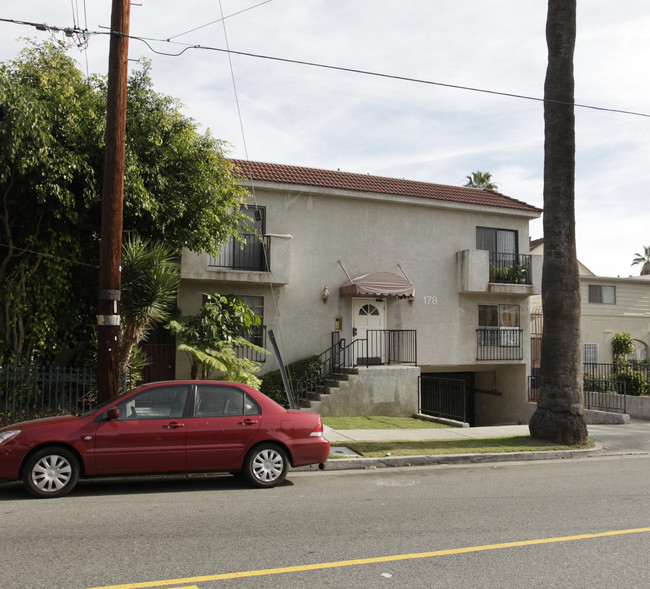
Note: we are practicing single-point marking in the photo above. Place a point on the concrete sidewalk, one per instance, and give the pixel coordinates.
(611, 440)
(446, 433)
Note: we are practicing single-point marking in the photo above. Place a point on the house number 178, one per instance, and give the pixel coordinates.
(429, 300)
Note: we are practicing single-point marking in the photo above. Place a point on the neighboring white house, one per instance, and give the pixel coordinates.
(609, 305)
(348, 256)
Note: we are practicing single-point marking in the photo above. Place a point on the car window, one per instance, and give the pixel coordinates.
(156, 403)
(220, 401)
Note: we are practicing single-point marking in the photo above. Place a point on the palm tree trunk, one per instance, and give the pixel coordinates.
(560, 409)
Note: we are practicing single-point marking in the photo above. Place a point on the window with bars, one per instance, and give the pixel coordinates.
(499, 325)
(589, 353)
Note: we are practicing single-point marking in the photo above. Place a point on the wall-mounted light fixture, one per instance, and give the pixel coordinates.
(411, 299)
(325, 294)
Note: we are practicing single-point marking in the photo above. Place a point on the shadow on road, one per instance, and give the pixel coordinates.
(141, 485)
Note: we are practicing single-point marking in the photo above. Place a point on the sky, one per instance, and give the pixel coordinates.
(280, 112)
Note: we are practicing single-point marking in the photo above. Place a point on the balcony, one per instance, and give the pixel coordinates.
(481, 271)
(247, 254)
(267, 261)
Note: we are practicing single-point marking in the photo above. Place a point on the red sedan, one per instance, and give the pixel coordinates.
(164, 427)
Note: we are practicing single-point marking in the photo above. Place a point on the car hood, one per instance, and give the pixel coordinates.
(42, 423)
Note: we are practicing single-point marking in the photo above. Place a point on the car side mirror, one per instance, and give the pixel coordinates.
(113, 413)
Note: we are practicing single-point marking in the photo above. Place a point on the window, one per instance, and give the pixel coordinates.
(222, 401)
(156, 403)
(599, 293)
(499, 325)
(589, 353)
(503, 241)
(368, 310)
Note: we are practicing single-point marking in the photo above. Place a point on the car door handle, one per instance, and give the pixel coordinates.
(248, 422)
(173, 425)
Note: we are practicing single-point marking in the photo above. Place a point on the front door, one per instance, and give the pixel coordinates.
(368, 319)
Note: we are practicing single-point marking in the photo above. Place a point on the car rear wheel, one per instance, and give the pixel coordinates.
(266, 466)
(51, 472)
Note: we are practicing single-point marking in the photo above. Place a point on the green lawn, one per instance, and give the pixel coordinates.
(380, 422)
(432, 447)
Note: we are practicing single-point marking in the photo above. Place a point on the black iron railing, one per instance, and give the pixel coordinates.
(603, 394)
(510, 268)
(248, 253)
(496, 343)
(31, 392)
(379, 347)
(443, 397)
(636, 376)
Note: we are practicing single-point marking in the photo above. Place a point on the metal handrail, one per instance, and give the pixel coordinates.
(380, 346)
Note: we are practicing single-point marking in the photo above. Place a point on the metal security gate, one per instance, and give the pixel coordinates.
(443, 397)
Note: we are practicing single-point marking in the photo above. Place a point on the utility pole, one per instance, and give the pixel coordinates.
(110, 252)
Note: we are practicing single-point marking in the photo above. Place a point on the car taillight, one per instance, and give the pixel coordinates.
(317, 431)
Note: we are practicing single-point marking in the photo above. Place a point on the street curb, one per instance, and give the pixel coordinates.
(443, 459)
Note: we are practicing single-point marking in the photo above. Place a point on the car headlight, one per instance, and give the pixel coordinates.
(8, 435)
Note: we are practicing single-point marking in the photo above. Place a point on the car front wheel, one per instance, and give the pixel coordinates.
(266, 465)
(51, 472)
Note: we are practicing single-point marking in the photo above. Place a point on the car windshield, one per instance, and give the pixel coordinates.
(103, 405)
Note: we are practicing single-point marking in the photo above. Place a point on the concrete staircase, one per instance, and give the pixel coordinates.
(372, 390)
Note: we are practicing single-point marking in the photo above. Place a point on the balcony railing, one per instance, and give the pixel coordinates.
(510, 268)
(495, 343)
(254, 255)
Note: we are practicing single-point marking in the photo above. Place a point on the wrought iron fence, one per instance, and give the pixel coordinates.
(601, 393)
(636, 376)
(29, 392)
(443, 397)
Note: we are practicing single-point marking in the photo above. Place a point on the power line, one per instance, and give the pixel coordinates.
(148, 40)
(218, 20)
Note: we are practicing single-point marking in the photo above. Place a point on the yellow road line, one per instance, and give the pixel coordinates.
(373, 560)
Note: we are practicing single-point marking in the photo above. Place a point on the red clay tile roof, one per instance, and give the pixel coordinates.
(282, 174)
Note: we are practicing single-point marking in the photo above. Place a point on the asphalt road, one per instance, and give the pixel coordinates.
(565, 523)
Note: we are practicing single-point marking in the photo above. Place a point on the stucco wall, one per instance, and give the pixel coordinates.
(333, 235)
(379, 390)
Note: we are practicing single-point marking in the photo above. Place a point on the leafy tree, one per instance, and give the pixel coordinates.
(150, 281)
(50, 125)
(178, 184)
(480, 180)
(560, 408)
(643, 259)
(178, 189)
(210, 339)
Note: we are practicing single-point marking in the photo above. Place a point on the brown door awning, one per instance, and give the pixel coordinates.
(379, 284)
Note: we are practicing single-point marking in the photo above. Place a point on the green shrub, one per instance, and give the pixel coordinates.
(597, 384)
(634, 381)
(272, 385)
